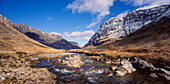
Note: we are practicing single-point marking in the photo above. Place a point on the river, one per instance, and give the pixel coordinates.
(89, 71)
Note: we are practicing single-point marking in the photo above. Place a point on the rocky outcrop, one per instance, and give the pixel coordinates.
(73, 60)
(154, 71)
(15, 69)
(51, 40)
(116, 28)
(121, 67)
(141, 64)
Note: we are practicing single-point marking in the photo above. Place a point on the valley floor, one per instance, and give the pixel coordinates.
(158, 57)
(91, 66)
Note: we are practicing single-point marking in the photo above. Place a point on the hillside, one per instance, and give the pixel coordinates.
(117, 28)
(153, 35)
(12, 40)
(51, 40)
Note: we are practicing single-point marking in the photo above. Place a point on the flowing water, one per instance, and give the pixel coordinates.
(93, 72)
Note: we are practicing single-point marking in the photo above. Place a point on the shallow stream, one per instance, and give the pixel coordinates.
(93, 72)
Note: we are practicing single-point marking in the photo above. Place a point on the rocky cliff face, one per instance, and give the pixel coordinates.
(153, 35)
(120, 27)
(52, 40)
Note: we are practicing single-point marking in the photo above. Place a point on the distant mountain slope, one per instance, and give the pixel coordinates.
(155, 34)
(51, 40)
(74, 43)
(12, 40)
(116, 28)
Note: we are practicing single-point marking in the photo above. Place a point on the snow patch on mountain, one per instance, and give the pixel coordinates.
(120, 27)
(147, 7)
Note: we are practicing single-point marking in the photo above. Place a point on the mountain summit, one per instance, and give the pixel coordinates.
(115, 28)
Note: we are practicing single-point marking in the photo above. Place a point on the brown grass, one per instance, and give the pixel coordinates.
(158, 57)
(12, 41)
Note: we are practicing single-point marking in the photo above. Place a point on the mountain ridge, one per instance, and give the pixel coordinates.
(116, 28)
(153, 35)
(51, 40)
(13, 40)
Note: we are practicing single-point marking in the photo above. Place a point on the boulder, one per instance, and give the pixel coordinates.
(153, 75)
(121, 71)
(162, 73)
(163, 76)
(128, 66)
(155, 72)
(107, 72)
(72, 60)
(141, 64)
(165, 71)
(167, 68)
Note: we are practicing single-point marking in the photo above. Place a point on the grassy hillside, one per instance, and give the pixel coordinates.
(12, 40)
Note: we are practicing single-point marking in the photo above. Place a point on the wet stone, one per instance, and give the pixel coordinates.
(113, 68)
(107, 72)
(121, 71)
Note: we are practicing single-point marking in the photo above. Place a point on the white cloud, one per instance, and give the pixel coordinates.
(95, 22)
(55, 33)
(122, 14)
(49, 18)
(146, 2)
(99, 7)
(73, 34)
(87, 33)
(77, 35)
(86, 38)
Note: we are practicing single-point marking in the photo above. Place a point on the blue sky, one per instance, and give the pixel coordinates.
(75, 20)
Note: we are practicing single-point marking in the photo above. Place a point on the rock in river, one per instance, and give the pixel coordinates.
(126, 67)
(121, 71)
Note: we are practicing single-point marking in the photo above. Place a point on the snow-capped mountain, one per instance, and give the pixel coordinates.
(120, 27)
(51, 40)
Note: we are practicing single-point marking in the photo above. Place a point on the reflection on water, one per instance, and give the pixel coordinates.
(93, 72)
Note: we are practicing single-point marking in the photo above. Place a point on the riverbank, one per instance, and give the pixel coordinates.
(77, 68)
(158, 57)
(15, 68)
